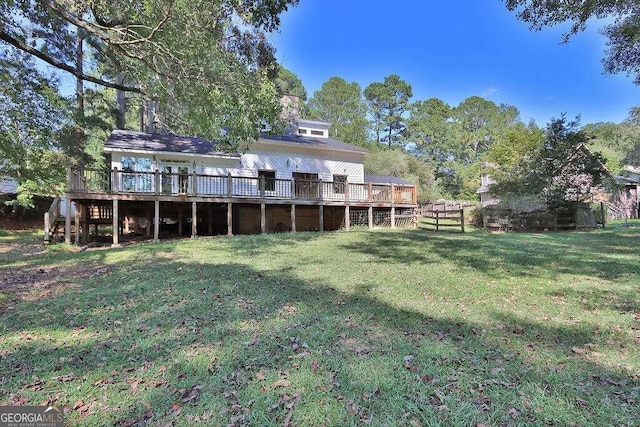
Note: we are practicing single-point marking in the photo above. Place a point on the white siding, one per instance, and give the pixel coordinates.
(8, 185)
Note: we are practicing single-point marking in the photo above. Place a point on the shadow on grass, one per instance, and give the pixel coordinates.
(135, 342)
(606, 254)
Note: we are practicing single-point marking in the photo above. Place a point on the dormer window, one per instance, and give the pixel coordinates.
(314, 128)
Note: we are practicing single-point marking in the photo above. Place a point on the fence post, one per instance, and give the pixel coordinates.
(602, 212)
(462, 219)
(437, 220)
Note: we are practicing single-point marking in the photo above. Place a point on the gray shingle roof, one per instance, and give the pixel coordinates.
(130, 140)
(326, 143)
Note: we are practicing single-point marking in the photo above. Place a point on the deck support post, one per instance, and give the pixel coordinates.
(321, 209)
(194, 220)
(156, 220)
(370, 217)
(293, 218)
(229, 219)
(347, 219)
(116, 228)
(76, 223)
(263, 217)
(67, 221)
(85, 224)
(393, 217)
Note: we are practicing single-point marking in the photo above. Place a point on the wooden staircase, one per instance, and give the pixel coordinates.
(54, 221)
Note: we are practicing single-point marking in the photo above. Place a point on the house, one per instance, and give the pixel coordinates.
(8, 186)
(625, 202)
(300, 181)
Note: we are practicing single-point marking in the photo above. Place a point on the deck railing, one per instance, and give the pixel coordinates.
(84, 180)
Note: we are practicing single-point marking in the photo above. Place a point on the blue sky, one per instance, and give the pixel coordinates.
(452, 50)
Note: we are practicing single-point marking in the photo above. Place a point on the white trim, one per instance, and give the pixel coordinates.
(311, 146)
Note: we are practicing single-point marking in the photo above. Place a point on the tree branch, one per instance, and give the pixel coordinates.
(61, 65)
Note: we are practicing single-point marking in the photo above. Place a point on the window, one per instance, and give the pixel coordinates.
(302, 131)
(317, 133)
(339, 183)
(136, 176)
(269, 180)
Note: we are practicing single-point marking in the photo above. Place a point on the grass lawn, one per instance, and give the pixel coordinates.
(388, 327)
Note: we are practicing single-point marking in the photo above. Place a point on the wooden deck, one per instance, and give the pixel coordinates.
(150, 186)
(124, 192)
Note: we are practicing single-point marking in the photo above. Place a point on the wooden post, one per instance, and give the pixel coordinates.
(67, 221)
(321, 209)
(261, 182)
(85, 224)
(347, 219)
(180, 222)
(70, 184)
(602, 213)
(370, 218)
(114, 180)
(156, 181)
(320, 190)
(229, 218)
(115, 224)
(156, 220)
(462, 219)
(47, 228)
(346, 190)
(293, 187)
(194, 220)
(229, 185)
(370, 190)
(393, 217)
(437, 220)
(293, 218)
(393, 193)
(194, 183)
(76, 224)
(263, 217)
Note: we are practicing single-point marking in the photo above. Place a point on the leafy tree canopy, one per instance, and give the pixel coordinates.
(209, 58)
(388, 101)
(560, 170)
(287, 83)
(396, 162)
(342, 104)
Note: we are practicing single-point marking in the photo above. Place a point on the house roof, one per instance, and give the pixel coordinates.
(305, 141)
(130, 140)
(139, 141)
(386, 179)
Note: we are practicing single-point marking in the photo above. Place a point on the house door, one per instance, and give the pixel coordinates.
(175, 179)
(306, 185)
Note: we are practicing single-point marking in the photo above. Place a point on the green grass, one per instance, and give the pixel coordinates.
(388, 327)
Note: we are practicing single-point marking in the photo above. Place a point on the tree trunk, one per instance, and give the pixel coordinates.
(121, 101)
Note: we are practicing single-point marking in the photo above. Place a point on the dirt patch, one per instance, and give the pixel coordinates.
(21, 224)
(37, 283)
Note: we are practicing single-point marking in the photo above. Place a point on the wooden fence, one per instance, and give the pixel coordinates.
(444, 218)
